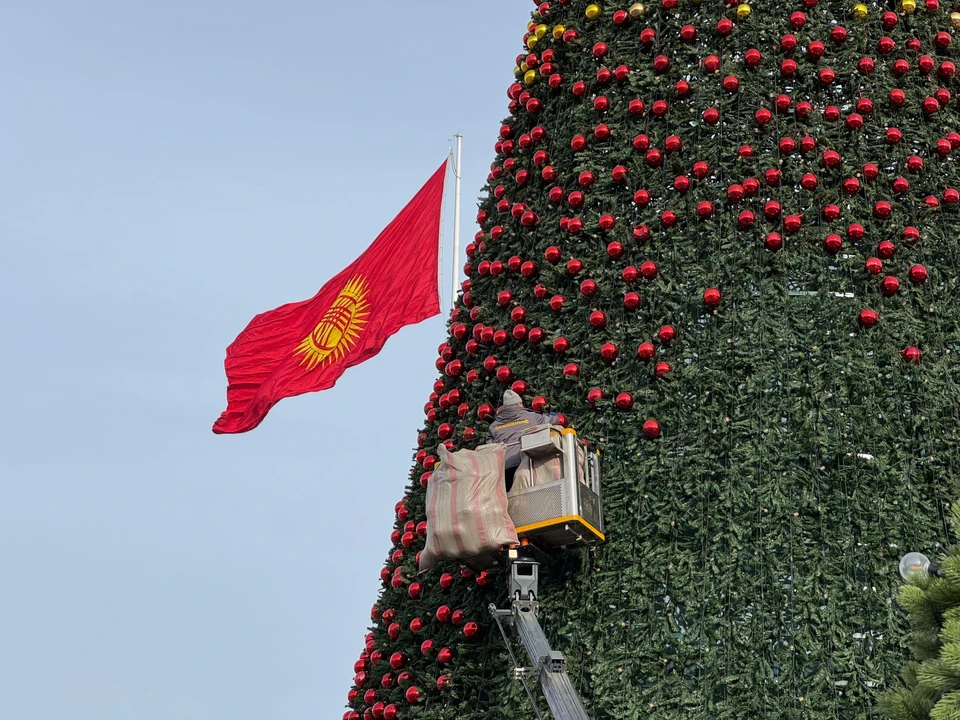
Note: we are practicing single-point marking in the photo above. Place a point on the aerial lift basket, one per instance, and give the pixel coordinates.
(562, 512)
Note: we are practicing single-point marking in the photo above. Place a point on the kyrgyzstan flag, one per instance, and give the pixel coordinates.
(306, 346)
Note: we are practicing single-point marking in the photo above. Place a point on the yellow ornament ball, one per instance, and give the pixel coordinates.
(908, 6)
(593, 11)
(743, 11)
(637, 10)
(955, 19)
(860, 11)
(532, 42)
(541, 32)
(530, 77)
(518, 71)
(558, 31)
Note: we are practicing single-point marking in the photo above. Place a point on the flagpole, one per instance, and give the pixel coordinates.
(455, 272)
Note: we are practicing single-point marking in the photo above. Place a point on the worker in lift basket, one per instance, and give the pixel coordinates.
(511, 422)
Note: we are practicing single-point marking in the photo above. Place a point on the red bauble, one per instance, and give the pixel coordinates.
(631, 301)
(832, 243)
(571, 370)
(598, 320)
(398, 660)
(649, 269)
(651, 429)
(415, 590)
(867, 318)
(731, 83)
(588, 288)
(711, 297)
(911, 355)
(886, 250)
(594, 396)
(889, 285)
(667, 333)
(556, 303)
(413, 695)
(470, 630)
(624, 401)
(609, 352)
(646, 351)
(662, 369)
(918, 274)
(561, 345)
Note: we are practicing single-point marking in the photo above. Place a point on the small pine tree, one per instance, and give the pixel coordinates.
(933, 677)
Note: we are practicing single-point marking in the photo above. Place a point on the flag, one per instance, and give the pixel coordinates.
(306, 346)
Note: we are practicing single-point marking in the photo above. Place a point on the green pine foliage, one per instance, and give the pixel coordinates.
(932, 678)
(750, 569)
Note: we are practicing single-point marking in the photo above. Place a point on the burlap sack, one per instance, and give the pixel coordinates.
(467, 506)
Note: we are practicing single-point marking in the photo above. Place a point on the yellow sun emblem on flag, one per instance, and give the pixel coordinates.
(339, 327)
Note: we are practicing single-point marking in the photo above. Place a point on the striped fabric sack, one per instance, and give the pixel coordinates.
(467, 506)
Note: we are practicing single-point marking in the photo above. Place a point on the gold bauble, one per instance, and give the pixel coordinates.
(518, 71)
(530, 77)
(860, 11)
(532, 42)
(541, 32)
(637, 10)
(908, 6)
(955, 19)
(743, 11)
(524, 67)
(593, 11)
(558, 31)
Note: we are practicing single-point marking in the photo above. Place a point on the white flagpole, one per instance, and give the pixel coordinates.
(455, 272)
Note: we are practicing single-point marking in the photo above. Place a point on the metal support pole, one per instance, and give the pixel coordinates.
(455, 271)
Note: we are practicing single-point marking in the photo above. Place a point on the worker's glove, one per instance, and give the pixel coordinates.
(553, 418)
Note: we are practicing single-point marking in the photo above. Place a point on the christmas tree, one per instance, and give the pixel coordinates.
(933, 678)
(722, 241)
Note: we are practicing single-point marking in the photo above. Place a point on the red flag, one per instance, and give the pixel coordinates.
(306, 346)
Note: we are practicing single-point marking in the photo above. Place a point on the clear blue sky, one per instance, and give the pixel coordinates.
(168, 170)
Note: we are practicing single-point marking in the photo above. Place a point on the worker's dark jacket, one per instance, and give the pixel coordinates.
(511, 422)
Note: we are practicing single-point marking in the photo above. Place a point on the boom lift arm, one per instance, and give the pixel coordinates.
(548, 667)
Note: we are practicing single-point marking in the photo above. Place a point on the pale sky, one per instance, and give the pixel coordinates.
(167, 171)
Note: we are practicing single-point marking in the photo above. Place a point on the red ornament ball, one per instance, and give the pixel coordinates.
(867, 318)
(598, 320)
(918, 274)
(624, 401)
(651, 429)
(911, 355)
(712, 297)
